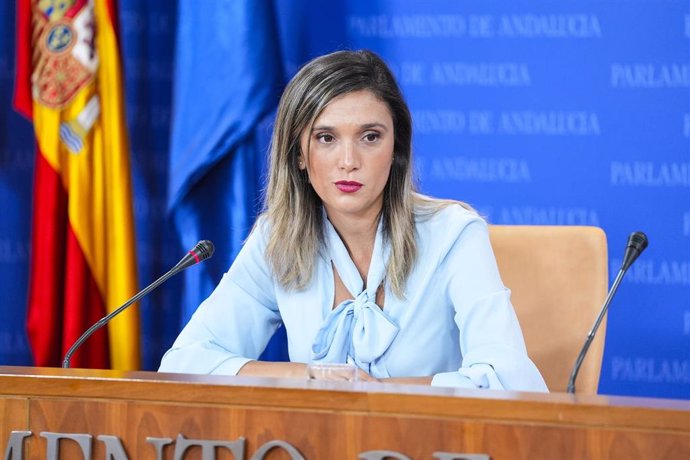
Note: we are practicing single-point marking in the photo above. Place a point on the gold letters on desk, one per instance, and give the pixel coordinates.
(115, 450)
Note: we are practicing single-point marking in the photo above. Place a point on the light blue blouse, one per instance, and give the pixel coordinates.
(455, 323)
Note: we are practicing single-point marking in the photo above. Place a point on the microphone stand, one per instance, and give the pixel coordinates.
(637, 242)
(593, 331)
(103, 321)
(202, 251)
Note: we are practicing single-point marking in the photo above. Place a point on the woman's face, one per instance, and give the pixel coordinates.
(349, 153)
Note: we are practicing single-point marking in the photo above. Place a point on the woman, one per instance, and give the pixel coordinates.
(356, 265)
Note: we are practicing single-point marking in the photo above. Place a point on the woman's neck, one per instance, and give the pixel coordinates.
(358, 235)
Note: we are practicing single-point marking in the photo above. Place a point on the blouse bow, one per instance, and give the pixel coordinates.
(357, 330)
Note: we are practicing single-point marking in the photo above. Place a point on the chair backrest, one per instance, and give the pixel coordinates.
(558, 276)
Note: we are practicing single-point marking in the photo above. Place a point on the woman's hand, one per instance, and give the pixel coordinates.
(296, 371)
(299, 371)
(274, 369)
(408, 380)
(363, 376)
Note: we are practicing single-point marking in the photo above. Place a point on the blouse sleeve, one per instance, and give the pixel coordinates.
(234, 324)
(491, 342)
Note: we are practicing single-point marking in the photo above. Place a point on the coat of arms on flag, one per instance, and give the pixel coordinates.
(65, 61)
(65, 58)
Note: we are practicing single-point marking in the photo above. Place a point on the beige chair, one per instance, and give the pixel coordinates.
(558, 276)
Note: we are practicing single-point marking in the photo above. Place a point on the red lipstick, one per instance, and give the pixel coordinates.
(348, 186)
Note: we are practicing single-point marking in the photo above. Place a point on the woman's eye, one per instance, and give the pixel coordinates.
(326, 138)
(371, 137)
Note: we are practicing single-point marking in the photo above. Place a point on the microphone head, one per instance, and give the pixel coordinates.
(637, 242)
(204, 249)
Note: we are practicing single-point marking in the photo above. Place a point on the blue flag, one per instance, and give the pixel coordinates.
(228, 78)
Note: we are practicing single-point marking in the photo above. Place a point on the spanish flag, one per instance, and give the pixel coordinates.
(82, 255)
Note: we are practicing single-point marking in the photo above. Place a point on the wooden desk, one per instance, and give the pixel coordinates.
(325, 420)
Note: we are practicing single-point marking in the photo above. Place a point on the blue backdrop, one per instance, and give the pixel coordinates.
(536, 112)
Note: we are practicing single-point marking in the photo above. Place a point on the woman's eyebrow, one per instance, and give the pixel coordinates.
(322, 128)
(375, 125)
(362, 126)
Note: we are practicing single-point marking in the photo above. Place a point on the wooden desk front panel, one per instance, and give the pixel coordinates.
(320, 434)
(14, 416)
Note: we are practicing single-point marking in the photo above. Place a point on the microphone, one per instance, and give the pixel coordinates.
(637, 242)
(203, 250)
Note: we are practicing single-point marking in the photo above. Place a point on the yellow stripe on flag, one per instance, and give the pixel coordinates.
(118, 249)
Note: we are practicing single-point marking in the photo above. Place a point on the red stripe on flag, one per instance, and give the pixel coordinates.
(63, 297)
(22, 86)
(111, 6)
(46, 289)
(83, 307)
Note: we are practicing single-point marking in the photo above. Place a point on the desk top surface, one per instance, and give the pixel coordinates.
(364, 397)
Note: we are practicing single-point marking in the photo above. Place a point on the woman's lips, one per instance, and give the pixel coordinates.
(347, 186)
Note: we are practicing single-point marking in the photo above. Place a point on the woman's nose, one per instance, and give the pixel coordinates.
(349, 157)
